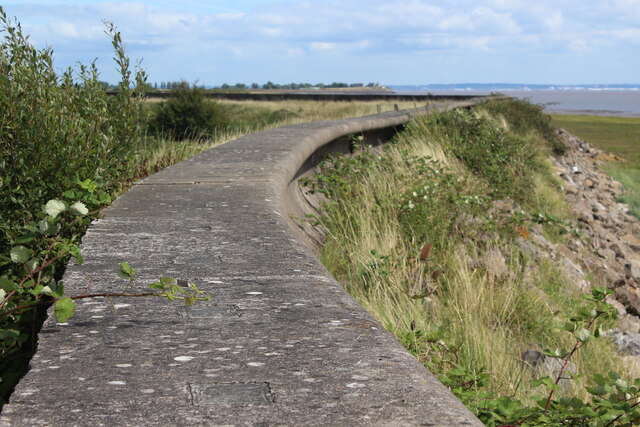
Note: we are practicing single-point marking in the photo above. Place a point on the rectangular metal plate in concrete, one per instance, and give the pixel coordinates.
(231, 394)
(217, 311)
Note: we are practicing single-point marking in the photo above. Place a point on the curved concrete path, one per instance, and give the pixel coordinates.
(281, 343)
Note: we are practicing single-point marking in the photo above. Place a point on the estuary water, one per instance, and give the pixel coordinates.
(594, 102)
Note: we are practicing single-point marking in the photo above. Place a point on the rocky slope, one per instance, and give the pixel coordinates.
(608, 250)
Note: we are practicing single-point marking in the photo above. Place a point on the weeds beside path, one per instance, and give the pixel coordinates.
(435, 237)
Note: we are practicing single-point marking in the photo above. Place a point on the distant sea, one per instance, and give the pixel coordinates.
(587, 101)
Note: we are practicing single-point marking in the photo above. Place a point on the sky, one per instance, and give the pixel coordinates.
(394, 42)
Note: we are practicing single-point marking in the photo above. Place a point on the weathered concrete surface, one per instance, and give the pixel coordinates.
(281, 343)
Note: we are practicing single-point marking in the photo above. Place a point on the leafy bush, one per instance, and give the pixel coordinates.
(188, 114)
(488, 151)
(65, 145)
(524, 117)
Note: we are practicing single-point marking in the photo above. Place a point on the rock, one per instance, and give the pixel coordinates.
(626, 343)
(630, 298)
(503, 205)
(632, 241)
(617, 305)
(619, 250)
(575, 273)
(495, 264)
(632, 270)
(607, 254)
(545, 366)
(628, 323)
(530, 250)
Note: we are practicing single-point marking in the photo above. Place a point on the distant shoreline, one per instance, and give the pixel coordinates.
(602, 113)
(621, 103)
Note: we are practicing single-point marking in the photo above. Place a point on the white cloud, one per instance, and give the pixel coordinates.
(268, 29)
(322, 46)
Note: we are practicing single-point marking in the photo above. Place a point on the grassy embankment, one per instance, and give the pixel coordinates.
(470, 184)
(618, 135)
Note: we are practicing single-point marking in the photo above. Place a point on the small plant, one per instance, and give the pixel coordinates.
(614, 400)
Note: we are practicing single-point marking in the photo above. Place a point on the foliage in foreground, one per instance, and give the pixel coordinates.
(473, 300)
(66, 148)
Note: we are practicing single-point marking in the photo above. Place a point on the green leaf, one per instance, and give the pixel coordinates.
(65, 308)
(26, 238)
(598, 390)
(36, 290)
(54, 207)
(33, 263)
(6, 284)
(48, 228)
(622, 385)
(79, 209)
(583, 335)
(20, 254)
(88, 185)
(9, 334)
(126, 271)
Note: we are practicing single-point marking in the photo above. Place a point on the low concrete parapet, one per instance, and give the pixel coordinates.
(281, 343)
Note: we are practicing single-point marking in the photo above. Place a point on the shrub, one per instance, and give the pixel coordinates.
(489, 151)
(524, 117)
(188, 114)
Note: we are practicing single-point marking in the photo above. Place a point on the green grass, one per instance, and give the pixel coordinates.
(449, 309)
(618, 135)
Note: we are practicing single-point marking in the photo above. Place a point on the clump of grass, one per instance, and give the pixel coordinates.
(525, 118)
(629, 176)
(476, 302)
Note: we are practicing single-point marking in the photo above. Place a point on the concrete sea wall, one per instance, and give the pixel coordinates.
(280, 343)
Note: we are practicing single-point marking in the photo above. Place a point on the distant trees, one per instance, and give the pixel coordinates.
(272, 85)
(173, 85)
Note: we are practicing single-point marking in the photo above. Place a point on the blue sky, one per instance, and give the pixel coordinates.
(386, 41)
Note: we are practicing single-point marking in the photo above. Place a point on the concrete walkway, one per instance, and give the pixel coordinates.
(281, 343)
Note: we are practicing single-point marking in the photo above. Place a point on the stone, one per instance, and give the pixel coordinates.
(571, 268)
(632, 241)
(544, 366)
(619, 249)
(626, 343)
(493, 261)
(530, 250)
(607, 254)
(632, 270)
(630, 298)
(628, 323)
